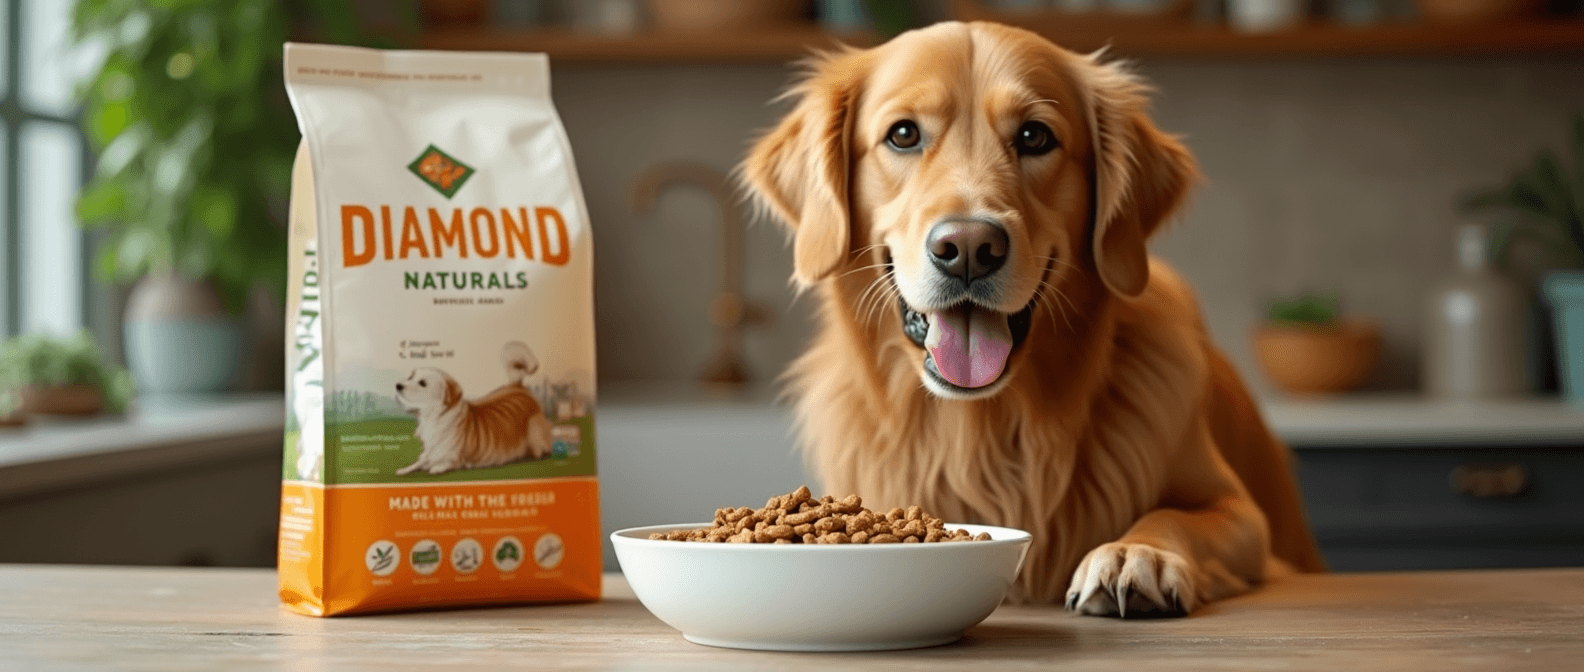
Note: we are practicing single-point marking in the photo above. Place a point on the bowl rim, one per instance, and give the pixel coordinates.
(639, 536)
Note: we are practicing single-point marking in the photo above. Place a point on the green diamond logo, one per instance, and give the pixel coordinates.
(440, 170)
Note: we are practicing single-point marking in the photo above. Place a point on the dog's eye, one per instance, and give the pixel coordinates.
(903, 135)
(423, 383)
(1034, 138)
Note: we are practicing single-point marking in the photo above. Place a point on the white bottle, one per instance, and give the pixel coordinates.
(1474, 328)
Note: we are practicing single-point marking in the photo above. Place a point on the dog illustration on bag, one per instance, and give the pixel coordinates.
(504, 426)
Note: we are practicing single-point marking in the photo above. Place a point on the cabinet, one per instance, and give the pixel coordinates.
(1445, 507)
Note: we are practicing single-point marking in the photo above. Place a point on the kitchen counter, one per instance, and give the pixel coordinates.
(1405, 420)
(211, 619)
(1394, 419)
(196, 480)
(159, 434)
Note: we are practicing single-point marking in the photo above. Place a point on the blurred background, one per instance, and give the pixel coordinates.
(1386, 244)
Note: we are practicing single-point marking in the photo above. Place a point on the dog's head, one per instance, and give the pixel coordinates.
(428, 389)
(975, 174)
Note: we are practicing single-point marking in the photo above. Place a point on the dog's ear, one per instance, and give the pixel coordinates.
(1141, 175)
(453, 392)
(800, 169)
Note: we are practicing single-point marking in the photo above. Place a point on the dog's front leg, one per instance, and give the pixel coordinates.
(1209, 541)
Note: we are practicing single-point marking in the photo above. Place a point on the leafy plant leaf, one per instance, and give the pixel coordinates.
(1546, 202)
(189, 115)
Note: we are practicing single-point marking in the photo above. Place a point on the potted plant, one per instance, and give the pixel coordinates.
(1544, 203)
(1306, 347)
(11, 414)
(62, 376)
(195, 140)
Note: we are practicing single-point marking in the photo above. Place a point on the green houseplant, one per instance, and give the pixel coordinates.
(1545, 203)
(195, 139)
(1306, 346)
(68, 376)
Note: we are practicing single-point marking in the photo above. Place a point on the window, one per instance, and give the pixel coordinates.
(45, 267)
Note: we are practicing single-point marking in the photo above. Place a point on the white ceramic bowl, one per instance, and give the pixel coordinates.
(838, 597)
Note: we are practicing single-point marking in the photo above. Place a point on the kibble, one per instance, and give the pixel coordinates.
(799, 518)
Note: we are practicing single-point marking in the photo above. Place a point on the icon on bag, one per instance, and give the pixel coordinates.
(549, 551)
(508, 554)
(425, 557)
(466, 556)
(440, 170)
(382, 558)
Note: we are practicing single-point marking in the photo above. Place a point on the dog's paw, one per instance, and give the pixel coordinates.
(1125, 579)
(408, 469)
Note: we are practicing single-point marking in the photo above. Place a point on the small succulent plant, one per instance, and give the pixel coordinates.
(1305, 309)
(41, 360)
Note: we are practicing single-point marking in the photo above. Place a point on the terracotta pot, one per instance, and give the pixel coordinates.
(1469, 12)
(62, 400)
(698, 16)
(1317, 359)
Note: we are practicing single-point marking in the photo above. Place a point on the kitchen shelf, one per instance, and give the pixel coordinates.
(1175, 36)
(657, 48)
(1126, 36)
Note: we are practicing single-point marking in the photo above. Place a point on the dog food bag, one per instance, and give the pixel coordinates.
(440, 426)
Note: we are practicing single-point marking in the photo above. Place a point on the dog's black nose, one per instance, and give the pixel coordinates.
(399, 387)
(967, 249)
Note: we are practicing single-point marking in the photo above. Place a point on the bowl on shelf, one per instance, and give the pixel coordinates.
(1473, 12)
(837, 597)
(1317, 358)
(452, 13)
(709, 16)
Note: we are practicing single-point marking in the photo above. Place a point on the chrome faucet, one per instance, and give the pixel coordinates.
(730, 311)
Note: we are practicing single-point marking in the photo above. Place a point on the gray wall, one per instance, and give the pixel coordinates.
(1330, 175)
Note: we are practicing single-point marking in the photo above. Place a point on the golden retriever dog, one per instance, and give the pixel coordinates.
(970, 204)
(507, 425)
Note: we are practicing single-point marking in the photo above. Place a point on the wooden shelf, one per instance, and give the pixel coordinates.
(658, 48)
(1166, 36)
(1127, 36)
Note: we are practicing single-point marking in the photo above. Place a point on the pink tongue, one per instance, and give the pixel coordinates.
(969, 345)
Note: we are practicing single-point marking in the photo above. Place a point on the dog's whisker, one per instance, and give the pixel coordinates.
(860, 269)
(1062, 296)
(1045, 302)
(1059, 260)
(1058, 308)
(892, 295)
(875, 286)
(874, 292)
(1057, 290)
(888, 293)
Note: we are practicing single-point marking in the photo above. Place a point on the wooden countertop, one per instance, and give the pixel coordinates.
(213, 619)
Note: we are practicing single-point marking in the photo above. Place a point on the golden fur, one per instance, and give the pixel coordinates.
(504, 426)
(1117, 434)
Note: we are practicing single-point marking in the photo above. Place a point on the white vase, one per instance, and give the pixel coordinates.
(1259, 16)
(1474, 343)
